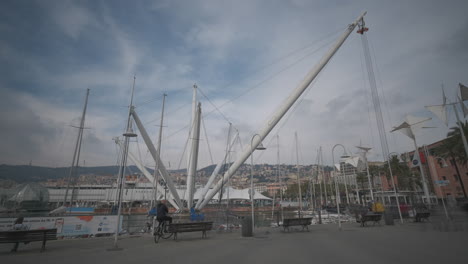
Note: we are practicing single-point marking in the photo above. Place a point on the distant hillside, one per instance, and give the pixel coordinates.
(26, 173)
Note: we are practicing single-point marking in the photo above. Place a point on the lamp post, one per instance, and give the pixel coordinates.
(337, 192)
(443, 165)
(367, 169)
(123, 163)
(259, 147)
(345, 155)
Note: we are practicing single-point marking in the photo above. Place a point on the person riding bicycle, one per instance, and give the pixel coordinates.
(162, 212)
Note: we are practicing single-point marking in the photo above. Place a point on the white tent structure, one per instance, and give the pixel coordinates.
(234, 194)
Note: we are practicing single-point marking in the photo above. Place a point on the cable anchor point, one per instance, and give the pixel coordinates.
(362, 27)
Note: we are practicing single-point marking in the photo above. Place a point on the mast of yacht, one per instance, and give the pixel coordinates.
(156, 167)
(298, 175)
(283, 109)
(278, 181)
(76, 153)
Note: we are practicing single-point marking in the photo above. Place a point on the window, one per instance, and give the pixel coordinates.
(456, 178)
(444, 178)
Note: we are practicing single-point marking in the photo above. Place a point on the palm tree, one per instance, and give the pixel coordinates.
(405, 178)
(453, 149)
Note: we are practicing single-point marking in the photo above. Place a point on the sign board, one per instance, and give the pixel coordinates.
(442, 182)
(68, 226)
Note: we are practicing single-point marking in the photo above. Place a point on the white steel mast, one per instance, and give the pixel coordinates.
(283, 109)
(190, 173)
(193, 157)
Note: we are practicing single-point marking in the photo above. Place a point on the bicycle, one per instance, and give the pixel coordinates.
(161, 232)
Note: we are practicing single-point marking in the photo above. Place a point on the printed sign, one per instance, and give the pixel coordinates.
(67, 225)
(442, 182)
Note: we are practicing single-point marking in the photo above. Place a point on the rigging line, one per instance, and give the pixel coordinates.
(215, 108)
(186, 144)
(368, 98)
(272, 76)
(392, 135)
(207, 142)
(265, 67)
(159, 98)
(180, 107)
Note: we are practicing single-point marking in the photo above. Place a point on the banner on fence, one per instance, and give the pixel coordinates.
(68, 226)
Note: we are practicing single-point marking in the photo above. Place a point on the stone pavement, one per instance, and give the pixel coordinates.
(408, 243)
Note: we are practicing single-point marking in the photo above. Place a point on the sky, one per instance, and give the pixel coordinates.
(246, 57)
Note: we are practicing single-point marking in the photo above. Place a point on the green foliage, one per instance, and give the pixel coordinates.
(407, 179)
(452, 147)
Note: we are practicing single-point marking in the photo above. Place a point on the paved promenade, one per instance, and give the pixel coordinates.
(409, 243)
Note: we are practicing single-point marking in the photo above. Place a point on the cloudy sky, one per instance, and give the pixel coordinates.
(245, 56)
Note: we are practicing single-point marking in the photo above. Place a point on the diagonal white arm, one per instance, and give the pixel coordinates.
(147, 174)
(154, 153)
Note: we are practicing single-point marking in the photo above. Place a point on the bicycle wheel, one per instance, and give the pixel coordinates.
(157, 234)
(166, 234)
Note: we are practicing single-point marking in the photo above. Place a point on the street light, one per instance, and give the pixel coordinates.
(337, 192)
(442, 165)
(367, 169)
(258, 147)
(344, 156)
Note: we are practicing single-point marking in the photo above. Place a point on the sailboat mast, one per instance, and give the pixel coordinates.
(298, 175)
(156, 167)
(76, 153)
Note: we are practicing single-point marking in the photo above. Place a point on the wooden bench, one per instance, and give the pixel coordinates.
(190, 227)
(421, 215)
(27, 236)
(369, 218)
(304, 222)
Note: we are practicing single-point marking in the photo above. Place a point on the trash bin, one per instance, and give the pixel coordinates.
(388, 218)
(247, 226)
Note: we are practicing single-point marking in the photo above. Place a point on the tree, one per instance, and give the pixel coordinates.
(407, 180)
(452, 148)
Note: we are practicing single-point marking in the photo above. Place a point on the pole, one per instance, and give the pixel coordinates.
(252, 186)
(123, 165)
(379, 116)
(76, 152)
(337, 193)
(421, 169)
(156, 167)
(298, 176)
(279, 179)
(193, 157)
(283, 109)
(432, 166)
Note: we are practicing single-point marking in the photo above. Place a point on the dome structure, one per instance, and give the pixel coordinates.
(29, 196)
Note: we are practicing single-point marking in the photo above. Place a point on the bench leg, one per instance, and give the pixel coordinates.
(15, 247)
(43, 243)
